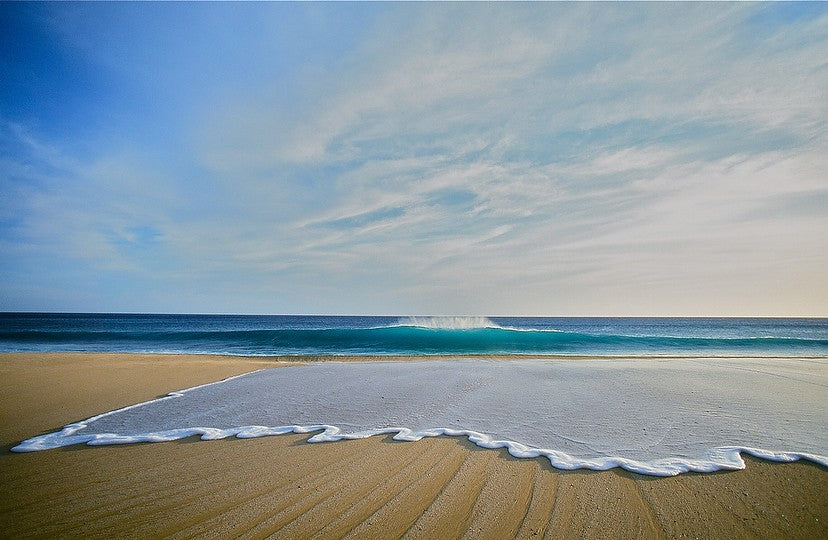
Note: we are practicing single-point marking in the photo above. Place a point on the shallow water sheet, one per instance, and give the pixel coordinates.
(659, 416)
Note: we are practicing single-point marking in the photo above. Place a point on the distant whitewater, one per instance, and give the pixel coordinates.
(651, 416)
(417, 336)
(446, 323)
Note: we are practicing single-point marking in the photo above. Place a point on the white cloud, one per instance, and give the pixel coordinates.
(541, 158)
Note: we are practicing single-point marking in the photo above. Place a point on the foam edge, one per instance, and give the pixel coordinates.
(715, 459)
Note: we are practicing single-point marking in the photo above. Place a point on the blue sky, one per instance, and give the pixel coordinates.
(458, 159)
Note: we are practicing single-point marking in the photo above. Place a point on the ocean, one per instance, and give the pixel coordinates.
(658, 396)
(274, 335)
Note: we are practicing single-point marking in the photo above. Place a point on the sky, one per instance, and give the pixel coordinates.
(566, 159)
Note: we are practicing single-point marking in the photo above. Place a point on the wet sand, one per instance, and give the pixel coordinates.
(376, 488)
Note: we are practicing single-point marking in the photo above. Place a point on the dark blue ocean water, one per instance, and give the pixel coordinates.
(345, 335)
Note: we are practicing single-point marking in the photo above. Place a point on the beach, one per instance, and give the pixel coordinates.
(377, 488)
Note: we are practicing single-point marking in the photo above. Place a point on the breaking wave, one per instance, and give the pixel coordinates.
(446, 323)
(410, 336)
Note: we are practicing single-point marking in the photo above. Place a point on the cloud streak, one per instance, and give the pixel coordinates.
(503, 159)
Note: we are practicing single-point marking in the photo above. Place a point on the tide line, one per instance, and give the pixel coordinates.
(716, 459)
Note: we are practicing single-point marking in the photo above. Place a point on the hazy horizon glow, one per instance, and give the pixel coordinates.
(457, 159)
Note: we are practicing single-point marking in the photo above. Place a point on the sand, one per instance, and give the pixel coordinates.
(373, 488)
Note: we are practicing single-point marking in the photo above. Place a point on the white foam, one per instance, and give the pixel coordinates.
(448, 323)
(655, 416)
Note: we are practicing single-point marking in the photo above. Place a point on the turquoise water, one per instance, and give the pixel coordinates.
(342, 335)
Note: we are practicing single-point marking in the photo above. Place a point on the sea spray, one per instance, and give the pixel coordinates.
(447, 323)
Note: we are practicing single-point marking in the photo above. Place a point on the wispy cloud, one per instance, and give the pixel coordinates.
(533, 158)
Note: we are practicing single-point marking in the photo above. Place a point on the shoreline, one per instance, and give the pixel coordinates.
(372, 487)
(727, 454)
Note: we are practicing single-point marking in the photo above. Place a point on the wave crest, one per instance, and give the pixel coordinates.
(448, 323)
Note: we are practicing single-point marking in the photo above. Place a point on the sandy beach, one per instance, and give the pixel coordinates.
(376, 488)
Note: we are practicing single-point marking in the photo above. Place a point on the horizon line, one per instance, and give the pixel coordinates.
(238, 314)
